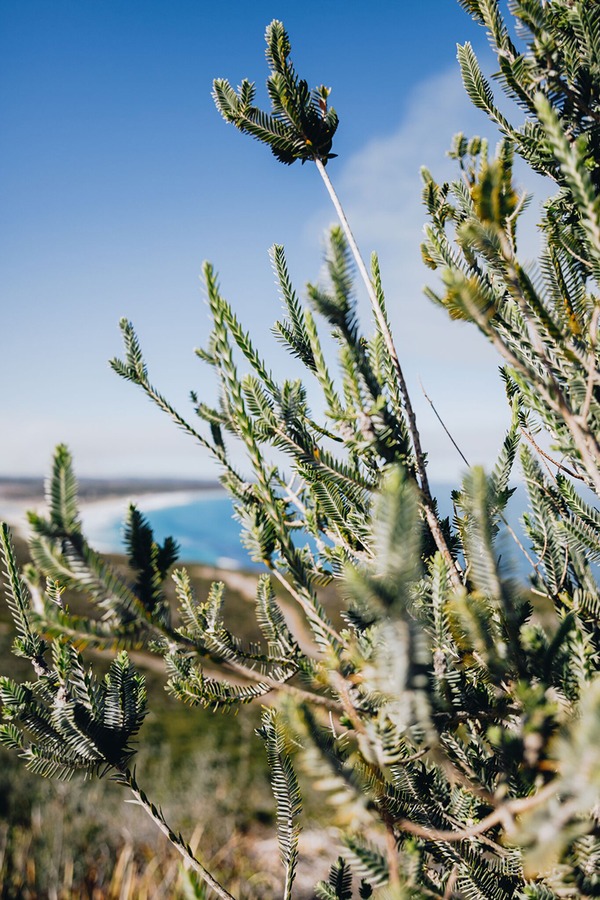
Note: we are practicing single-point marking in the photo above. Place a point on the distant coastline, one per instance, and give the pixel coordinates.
(198, 514)
(100, 497)
(22, 487)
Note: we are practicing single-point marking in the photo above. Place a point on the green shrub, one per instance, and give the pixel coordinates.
(458, 709)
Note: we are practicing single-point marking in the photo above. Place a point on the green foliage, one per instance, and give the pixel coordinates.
(456, 708)
(67, 721)
(301, 126)
(339, 886)
(151, 562)
(287, 795)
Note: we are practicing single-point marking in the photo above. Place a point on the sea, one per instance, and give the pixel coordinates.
(203, 525)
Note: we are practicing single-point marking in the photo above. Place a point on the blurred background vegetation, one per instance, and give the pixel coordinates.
(81, 840)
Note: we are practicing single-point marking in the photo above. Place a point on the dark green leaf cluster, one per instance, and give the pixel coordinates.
(301, 124)
(67, 721)
(339, 885)
(150, 561)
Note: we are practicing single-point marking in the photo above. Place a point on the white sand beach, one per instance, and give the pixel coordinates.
(97, 514)
(14, 513)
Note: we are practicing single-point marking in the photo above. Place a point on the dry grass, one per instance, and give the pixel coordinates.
(81, 840)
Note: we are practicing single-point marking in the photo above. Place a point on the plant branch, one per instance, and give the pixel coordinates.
(552, 395)
(426, 496)
(310, 613)
(554, 462)
(505, 521)
(299, 693)
(503, 815)
(443, 424)
(126, 777)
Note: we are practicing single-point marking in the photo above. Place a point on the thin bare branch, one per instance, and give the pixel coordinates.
(426, 495)
(443, 424)
(554, 462)
(125, 776)
(505, 521)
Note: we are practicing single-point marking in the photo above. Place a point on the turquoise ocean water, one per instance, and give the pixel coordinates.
(202, 524)
(204, 527)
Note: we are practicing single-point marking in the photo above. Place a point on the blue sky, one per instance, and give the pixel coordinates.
(118, 178)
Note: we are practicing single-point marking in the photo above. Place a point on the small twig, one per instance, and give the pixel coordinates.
(576, 256)
(554, 462)
(293, 497)
(126, 777)
(544, 548)
(392, 855)
(450, 884)
(510, 220)
(534, 565)
(341, 687)
(443, 424)
(505, 521)
(517, 210)
(412, 758)
(564, 572)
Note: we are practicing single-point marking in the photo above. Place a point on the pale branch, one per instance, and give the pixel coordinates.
(392, 857)
(426, 495)
(504, 815)
(451, 883)
(580, 259)
(443, 424)
(126, 777)
(503, 518)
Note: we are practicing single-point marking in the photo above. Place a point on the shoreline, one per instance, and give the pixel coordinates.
(98, 509)
(102, 518)
(97, 512)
